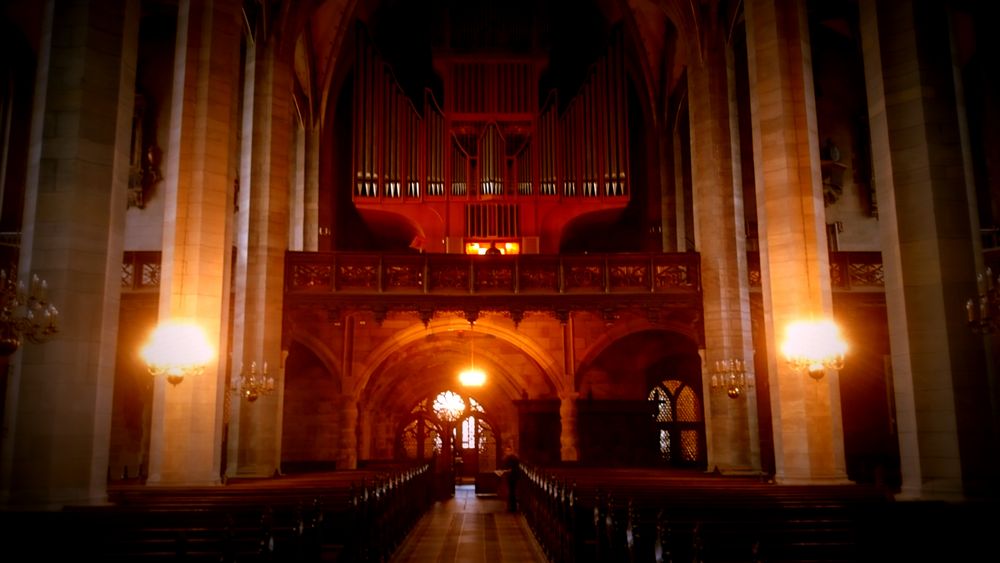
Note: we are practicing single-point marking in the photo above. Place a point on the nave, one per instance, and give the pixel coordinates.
(469, 528)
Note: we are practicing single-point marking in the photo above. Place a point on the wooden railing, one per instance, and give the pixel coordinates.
(351, 272)
(312, 272)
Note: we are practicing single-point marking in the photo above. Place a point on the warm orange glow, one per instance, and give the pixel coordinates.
(449, 406)
(480, 247)
(472, 377)
(176, 349)
(814, 346)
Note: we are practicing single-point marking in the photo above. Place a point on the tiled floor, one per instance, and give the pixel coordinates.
(469, 529)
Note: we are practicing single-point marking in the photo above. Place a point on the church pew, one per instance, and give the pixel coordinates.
(642, 512)
(354, 516)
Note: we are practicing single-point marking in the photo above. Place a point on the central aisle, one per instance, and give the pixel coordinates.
(469, 529)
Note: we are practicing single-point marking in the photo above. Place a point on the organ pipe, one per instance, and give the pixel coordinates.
(400, 152)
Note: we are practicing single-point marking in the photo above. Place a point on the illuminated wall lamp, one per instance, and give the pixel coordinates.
(814, 346)
(177, 349)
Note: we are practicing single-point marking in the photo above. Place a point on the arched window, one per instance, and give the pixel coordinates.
(680, 423)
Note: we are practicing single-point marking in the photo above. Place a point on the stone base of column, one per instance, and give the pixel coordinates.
(932, 490)
(256, 471)
(841, 480)
(737, 471)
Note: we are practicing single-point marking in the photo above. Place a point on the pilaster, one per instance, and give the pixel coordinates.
(568, 434)
(947, 449)
(58, 411)
(261, 242)
(731, 424)
(186, 433)
(806, 413)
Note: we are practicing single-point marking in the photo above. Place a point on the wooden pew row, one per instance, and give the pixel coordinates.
(642, 514)
(326, 518)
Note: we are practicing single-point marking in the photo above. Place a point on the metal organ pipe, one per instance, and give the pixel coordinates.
(400, 152)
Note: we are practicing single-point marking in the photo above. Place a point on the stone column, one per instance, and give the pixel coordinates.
(367, 433)
(58, 411)
(347, 452)
(304, 191)
(186, 433)
(310, 225)
(947, 449)
(668, 190)
(682, 176)
(568, 435)
(731, 424)
(261, 242)
(806, 413)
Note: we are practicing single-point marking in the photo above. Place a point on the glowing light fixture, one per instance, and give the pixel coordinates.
(480, 247)
(472, 376)
(253, 384)
(984, 311)
(25, 313)
(177, 349)
(730, 375)
(814, 346)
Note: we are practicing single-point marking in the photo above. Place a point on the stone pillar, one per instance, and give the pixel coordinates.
(806, 413)
(58, 411)
(297, 191)
(731, 424)
(261, 242)
(367, 434)
(310, 225)
(568, 435)
(347, 452)
(947, 449)
(681, 154)
(304, 178)
(186, 433)
(668, 190)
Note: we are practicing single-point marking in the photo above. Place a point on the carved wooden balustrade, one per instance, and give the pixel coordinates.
(664, 286)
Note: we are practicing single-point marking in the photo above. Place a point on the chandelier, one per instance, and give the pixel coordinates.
(449, 406)
(177, 349)
(984, 312)
(730, 375)
(253, 384)
(472, 376)
(814, 346)
(25, 313)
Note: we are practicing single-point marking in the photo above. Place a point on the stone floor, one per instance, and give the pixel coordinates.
(469, 528)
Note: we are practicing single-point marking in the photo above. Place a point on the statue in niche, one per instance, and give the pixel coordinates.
(144, 159)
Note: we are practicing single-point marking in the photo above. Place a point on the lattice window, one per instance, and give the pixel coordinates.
(688, 406)
(664, 407)
(128, 274)
(409, 440)
(690, 441)
(665, 445)
(679, 419)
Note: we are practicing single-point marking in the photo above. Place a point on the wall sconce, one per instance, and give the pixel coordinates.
(177, 349)
(24, 312)
(814, 346)
(984, 312)
(731, 375)
(253, 385)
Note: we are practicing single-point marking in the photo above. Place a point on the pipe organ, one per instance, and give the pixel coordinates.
(491, 140)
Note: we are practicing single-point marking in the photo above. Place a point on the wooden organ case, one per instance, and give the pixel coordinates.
(494, 162)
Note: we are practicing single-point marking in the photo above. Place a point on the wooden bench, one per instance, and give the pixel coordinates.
(340, 516)
(620, 514)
